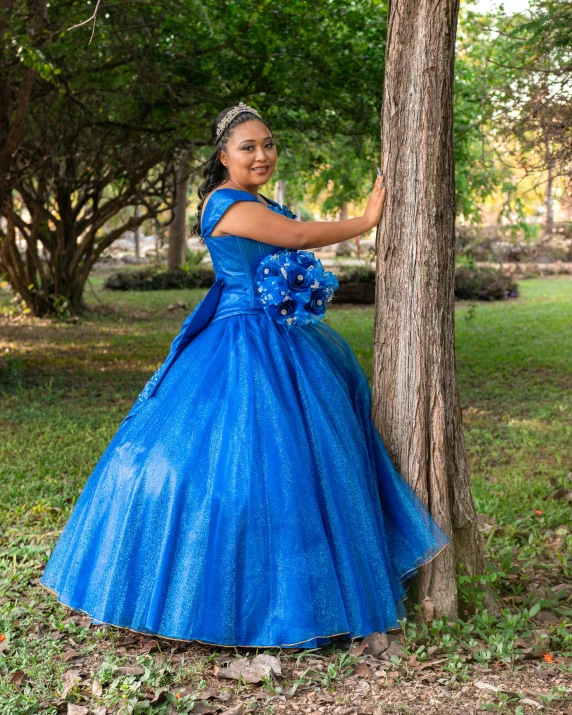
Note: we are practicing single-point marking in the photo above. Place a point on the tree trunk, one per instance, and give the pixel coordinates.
(549, 196)
(415, 402)
(137, 234)
(280, 192)
(345, 247)
(53, 282)
(178, 226)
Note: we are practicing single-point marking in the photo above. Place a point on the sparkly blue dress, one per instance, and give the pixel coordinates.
(247, 498)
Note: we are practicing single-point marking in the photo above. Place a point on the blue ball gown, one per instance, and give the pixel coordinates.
(247, 498)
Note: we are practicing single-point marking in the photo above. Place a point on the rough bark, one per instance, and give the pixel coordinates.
(178, 226)
(415, 401)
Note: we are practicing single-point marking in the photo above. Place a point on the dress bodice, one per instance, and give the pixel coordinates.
(235, 258)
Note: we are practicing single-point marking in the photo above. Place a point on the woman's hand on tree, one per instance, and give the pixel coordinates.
(374, 208)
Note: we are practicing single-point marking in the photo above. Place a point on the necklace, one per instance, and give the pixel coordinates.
(264, 203)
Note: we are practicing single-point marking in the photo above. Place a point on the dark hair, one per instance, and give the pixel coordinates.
(215, 172)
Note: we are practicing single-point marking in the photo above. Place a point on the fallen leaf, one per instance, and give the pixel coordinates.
(148, 647)
(547, 618)
(127, 641)
(362, 670)
(70, 678)
(201, 694)
(201, 709)
(376, 643)
(271, 661)
(394, 649)
(528, 701)
(77, 709)
(96, 688)
(358, 649)
(430, 664)
(251, 671)
(486, 686)
(69, 654)
(100, 711)
(238, 710)
(323, 697)
(160, 697)
(17, 677)
(224, 695)
(427, 609)
(129, 670)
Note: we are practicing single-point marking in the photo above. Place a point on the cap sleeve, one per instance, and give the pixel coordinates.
(219, 202)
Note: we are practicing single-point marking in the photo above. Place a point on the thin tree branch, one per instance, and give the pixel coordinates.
(86, 22)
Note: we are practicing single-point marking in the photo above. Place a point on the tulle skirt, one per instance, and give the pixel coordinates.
(249, 502)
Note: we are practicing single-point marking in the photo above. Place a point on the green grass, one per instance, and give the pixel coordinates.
(65, 387)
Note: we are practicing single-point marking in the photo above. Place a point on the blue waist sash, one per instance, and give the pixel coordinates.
(192, 326)
(202, 315)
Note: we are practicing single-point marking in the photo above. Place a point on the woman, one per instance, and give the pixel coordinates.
(247, 498)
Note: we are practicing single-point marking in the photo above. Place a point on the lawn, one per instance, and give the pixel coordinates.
(65, 387)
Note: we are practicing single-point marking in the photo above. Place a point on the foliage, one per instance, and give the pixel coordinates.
(100, 125)
(478, 174)
(513, 108)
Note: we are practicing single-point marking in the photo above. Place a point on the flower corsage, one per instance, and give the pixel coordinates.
(293, 287)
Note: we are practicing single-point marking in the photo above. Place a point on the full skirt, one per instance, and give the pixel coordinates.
(249, 502)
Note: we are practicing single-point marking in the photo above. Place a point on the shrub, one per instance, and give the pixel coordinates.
(151, 279)
(357, 275)
(484, 283)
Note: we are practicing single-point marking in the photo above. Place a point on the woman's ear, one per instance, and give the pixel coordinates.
(223, 158)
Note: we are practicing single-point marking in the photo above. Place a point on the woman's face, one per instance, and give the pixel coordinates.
(250, 155)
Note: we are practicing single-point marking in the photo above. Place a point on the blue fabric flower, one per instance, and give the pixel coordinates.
(293, 287)
(284, 210)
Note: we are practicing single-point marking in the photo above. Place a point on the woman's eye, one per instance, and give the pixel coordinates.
(246, 148)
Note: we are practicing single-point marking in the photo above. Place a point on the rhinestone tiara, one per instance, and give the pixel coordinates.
(227, 119)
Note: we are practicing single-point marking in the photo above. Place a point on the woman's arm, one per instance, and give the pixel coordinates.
(257, 222)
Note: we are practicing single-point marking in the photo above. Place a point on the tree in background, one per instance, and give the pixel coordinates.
(533, 103)
(90, 147)
(513, 108)
(97, 132)
(415, 396)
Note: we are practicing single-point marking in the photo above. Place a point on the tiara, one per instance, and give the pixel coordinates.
(228, 118)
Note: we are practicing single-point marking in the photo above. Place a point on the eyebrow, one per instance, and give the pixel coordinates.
(252, 140)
